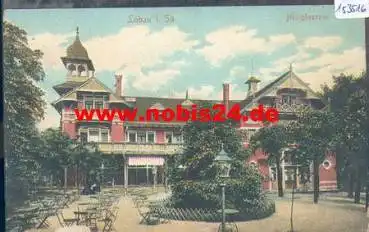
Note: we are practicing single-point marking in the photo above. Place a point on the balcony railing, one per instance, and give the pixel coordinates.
(72, 116)
(140, 149)
(290, 108)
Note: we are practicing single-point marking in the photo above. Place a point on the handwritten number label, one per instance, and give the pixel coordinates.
(348, 9)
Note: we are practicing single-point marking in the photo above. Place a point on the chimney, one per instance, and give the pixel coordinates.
(226, 96)
(118, 85)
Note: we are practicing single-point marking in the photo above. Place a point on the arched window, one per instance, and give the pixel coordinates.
(81, 69)
(71, 69)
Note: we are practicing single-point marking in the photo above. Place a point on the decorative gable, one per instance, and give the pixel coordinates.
(94, 86)
(91, 85)
(286, 81)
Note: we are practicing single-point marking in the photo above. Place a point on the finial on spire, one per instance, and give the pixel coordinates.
(290, 67)
(252, 67)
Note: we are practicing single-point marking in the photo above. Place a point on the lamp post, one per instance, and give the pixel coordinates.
(102, 167)
(65, 167)
(224, 168)
(77, 147)
(182, 169)
(154, 172)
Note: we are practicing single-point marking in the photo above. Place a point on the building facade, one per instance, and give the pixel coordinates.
(144, 147)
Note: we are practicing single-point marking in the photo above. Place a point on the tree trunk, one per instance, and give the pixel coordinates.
(367, 188)
(367, 195)
(293, 197)
(350, 192)
(316, 180)
(77, 179)
(339, 174)
(279, 178)
(357, 186)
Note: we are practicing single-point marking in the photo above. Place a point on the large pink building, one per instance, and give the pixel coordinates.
(143, 147)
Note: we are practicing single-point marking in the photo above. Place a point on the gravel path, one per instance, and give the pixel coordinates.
(327, 216)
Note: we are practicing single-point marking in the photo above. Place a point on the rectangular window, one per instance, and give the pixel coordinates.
(132, 137)
(250, 133)
(289, 99)
(104, 135)
(285, 100)
(151, 137)
(293, 100)
(89, 105)
(177, 138)
(95, 102)
(83, 136)
(99, 102)
(141, 137)
(99, 105)
(169, 137)
(93, 135)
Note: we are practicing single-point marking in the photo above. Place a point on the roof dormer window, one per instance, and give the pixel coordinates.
(288, 99)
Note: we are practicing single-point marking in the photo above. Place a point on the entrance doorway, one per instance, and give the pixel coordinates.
(144, 175)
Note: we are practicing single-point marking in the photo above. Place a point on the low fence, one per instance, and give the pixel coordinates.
(187, 214)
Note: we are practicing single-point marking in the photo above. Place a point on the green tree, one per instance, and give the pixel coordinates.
(56, 153)
(24, 107)
(356, 128)
(313, 132)
(197, 183)
(87, 160)
(272, 140)
(349, 103)
(203, 142)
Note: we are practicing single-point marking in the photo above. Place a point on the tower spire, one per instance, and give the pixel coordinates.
(252, 67)
(187, 94)
(77, 33)
(290, 76)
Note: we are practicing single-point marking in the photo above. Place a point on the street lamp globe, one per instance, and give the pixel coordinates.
(224, 162)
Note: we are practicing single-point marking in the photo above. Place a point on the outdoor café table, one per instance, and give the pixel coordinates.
(74, 229)
(81, 216)
(154, 203)
(26, 215)
(84, 203)
(229, 213)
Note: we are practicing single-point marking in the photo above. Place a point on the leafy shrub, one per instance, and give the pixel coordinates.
(243, 194)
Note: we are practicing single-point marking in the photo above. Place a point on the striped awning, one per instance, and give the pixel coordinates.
(146, 160)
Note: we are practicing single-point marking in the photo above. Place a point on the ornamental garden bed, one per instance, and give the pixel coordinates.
(211, 215)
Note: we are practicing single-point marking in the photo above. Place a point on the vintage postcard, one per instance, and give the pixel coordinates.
(179, 119)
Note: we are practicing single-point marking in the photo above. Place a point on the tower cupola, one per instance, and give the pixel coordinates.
(77, 62)
(252, 83)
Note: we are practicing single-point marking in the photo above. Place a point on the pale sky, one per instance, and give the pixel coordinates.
(200, 50)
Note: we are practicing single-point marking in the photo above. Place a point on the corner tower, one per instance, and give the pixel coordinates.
(77, 62)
